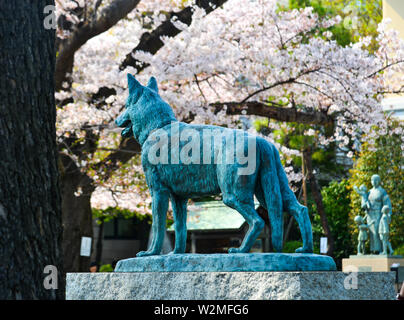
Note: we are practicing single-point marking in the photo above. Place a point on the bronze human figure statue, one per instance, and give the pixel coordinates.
(372, 203)
(384, 231)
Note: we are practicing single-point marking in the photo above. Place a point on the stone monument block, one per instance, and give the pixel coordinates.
(370, 263)
(254, 276)
(231, 286)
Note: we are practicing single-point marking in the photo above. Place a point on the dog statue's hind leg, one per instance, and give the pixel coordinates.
(238, 193)
(275, 193)
(255, 222)
(291, 205)
(301, 214)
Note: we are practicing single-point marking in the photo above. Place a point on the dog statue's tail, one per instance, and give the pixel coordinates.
(278, 197)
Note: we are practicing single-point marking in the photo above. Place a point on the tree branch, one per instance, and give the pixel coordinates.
(273, 112)
(108, 17)
(279, 83)
(388, 65)
(151, 42)
(126, 150)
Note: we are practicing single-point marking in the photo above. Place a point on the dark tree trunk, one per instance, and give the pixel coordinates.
(304, 186)
(288, 229)
(108, 17)
(100, 238)
(319, 200)
(30, 203)
(77, 214)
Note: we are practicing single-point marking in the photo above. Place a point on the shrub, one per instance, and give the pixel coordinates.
(106, 268)
(291, 246)
(399, 250)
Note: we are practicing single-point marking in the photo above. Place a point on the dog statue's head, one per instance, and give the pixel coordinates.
(145, 110)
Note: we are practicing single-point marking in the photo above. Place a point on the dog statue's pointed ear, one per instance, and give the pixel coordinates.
(152, 84)
(133, 85)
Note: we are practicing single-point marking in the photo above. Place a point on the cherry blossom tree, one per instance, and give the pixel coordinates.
(139, 25)
(244, 58)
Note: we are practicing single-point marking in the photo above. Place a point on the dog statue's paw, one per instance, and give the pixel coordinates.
(304, 250)
(146, 254)
(177, 251)
(235, 250)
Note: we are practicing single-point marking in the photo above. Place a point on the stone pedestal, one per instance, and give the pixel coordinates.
(370, 263)
(255, 276)
(331, 285)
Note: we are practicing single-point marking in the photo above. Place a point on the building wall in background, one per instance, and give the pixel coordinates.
(394, 9)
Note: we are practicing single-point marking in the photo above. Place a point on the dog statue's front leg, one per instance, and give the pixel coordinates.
(180, 223)
(159, 212)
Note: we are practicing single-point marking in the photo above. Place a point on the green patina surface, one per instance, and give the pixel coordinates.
(237, 262)
(178, 176)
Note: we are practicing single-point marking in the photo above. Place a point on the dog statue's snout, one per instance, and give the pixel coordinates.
(123, 120)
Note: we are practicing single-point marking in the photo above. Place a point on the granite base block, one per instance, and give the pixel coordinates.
(332, 285)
